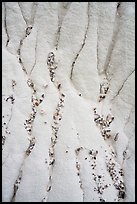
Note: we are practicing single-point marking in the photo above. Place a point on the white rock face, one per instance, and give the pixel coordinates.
(68, 91)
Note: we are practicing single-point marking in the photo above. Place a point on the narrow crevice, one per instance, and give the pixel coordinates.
(97, 51)
(113, 41)
(83, 43)
(19, 55)
(58, 36)
(5, 24)
(33, 12)
(16, 185)
(129, 116)
(27, 32)
(60, 21)
(120, 89)
(22, 13)
(36, 45)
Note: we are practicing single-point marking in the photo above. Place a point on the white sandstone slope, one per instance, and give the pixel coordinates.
(68, 101)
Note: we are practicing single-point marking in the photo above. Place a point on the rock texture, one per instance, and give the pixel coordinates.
(68, 101)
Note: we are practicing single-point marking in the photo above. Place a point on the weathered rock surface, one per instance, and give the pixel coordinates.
(68, 101)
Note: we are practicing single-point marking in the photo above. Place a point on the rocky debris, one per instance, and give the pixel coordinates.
(78, 150)
(28, 123)
(13, 84)
(11, 98)
(116, 173)
(103, 124)
(103, 90)
(49, 188)
(78, 173)
(28, 30)
(102, 200)
(6, 118)
(3, 139)
(51, 65)
(93, 156)
(57, 117)
(16, 185)
(100, 184)
(30, 83)
(31, 146)
(116, 136)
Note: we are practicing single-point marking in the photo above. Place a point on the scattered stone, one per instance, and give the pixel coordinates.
(49, 188)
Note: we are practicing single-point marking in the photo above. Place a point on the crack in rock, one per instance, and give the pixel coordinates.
(22, 13)
(63, 10)
(113, 41)
(83, 43)
(35, 54)
(27, 32)
(117, 94)
(33, 12)
(5, 24)
(16, 185)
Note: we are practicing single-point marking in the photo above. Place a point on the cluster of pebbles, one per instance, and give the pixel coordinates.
(78, 173)
(11, 98)
(55, 127)
(51, 65)
(103, 90)
(29, 122)
(31, 84)
(77, 151)
(5, 130)
(116, 173)
(3, 139)
(100, 184)
(31, 146)
(57, 116)
(103, 124)
(28, 126)
(93, 157)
